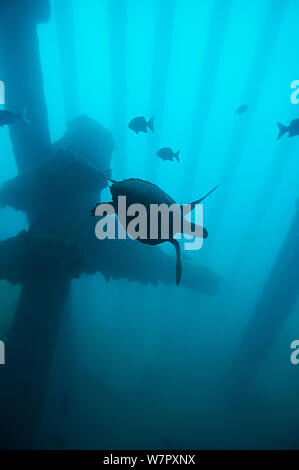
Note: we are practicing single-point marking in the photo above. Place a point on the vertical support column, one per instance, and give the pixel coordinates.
(63, 10)
(21, 72)
(277, 301)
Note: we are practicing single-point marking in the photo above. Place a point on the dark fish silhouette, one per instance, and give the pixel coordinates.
(138, 191)
(292, 129)
(242, 109)
(7, 117)
(140, 124)
(167, 153)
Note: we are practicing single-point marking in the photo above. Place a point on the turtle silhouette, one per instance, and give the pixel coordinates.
(145, 193)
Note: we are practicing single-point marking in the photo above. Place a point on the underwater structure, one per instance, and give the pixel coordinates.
(65, 33)
(277, 301)
(56, 187)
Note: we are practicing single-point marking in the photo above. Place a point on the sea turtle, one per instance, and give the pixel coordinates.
(145, 193)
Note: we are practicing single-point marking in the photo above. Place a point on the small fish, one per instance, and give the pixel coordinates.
(292, 129)
(140, 124)
(242, 109)
(8, 117)
(167, 153)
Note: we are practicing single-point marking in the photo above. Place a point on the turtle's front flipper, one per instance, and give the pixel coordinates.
(198, 201)
(93, 211)
(178, 261)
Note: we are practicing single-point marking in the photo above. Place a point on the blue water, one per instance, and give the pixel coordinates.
(147, 367)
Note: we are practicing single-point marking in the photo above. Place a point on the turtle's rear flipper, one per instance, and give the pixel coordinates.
(178, 261)
(93, 211)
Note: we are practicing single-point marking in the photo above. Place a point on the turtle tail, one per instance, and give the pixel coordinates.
(178, 261)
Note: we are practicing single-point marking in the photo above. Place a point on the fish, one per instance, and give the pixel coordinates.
(242, 109)
(166, 153)
(292, 129)
(8, 117)
(140, 124)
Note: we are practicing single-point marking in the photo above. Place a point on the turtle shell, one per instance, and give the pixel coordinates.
(143, 192)
(138, 191)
